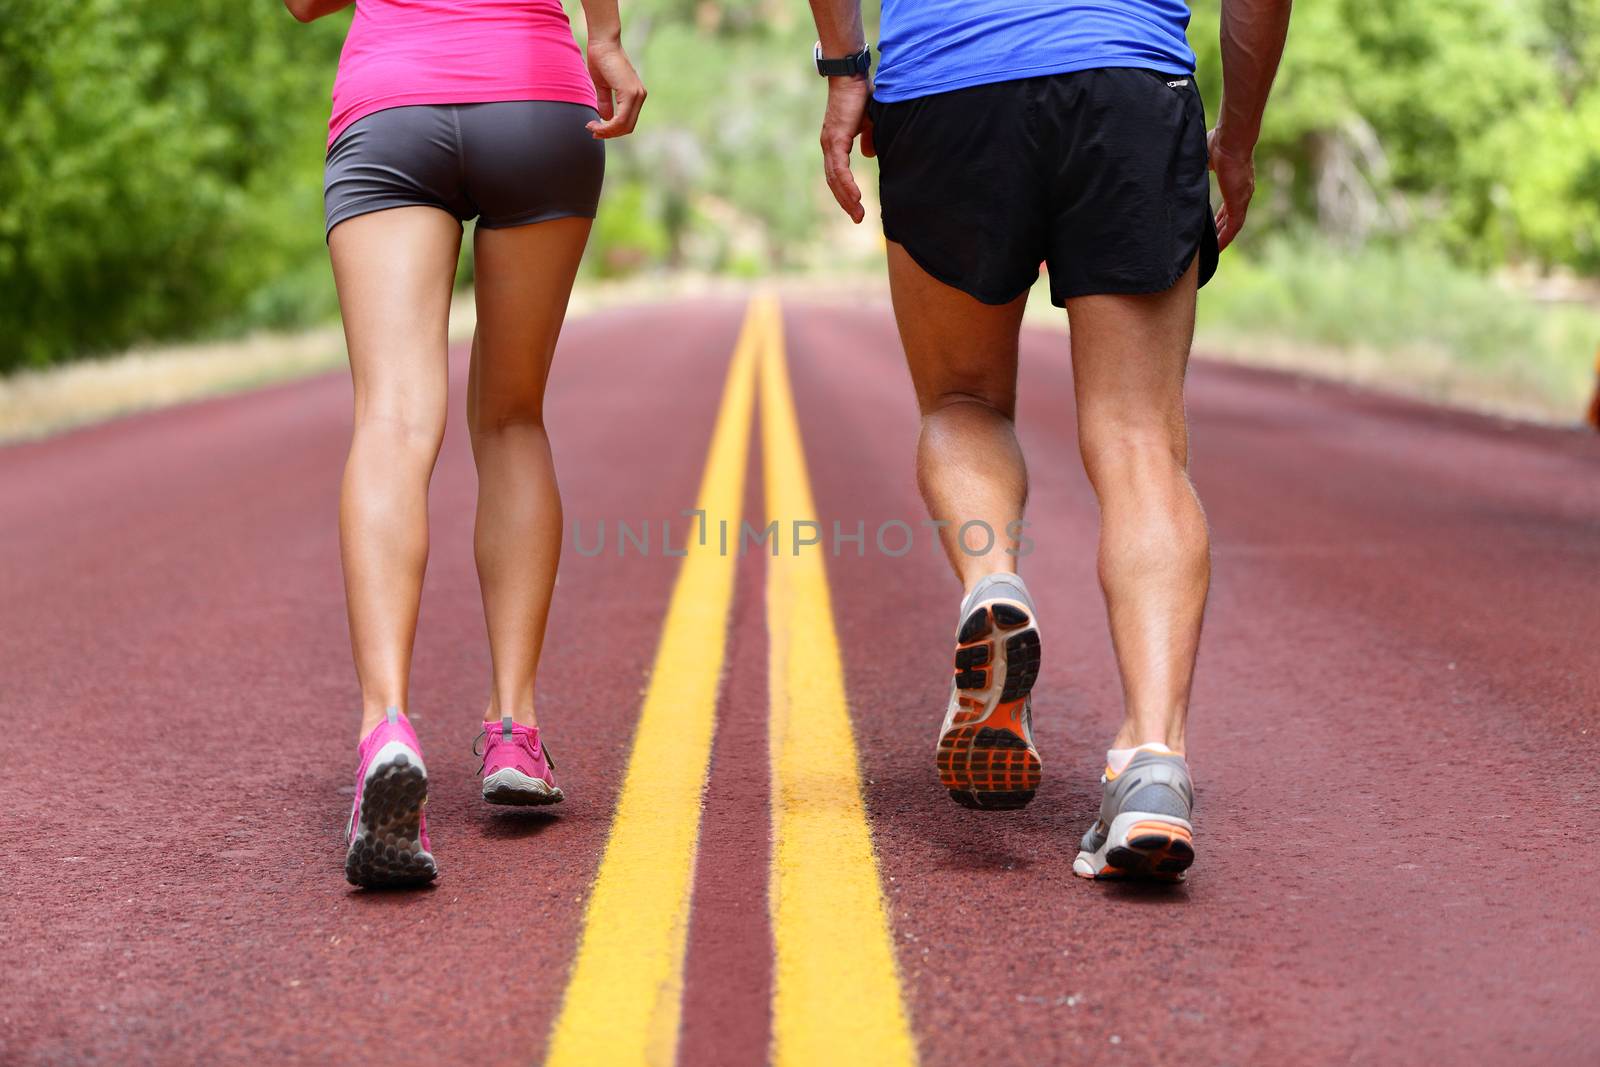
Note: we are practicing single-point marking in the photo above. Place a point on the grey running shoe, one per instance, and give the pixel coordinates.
(985, 754)
(1144, 829)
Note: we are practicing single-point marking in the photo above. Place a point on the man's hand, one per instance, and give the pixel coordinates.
(1253, 33)
(1236, 180)
(844, 120)
(620, 92)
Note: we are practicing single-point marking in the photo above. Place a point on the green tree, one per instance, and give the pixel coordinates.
(158, 168)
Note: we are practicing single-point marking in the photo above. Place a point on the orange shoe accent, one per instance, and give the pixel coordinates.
(1009, 772)
(1156, 850)
(1165, 828)
(984, 757)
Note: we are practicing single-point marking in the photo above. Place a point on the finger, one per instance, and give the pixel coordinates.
(869, 147)
(602, 107)
(625, 115)
(613, 126)
(845, 189)
(1228, 225)
(849, 201)
(628, 107)
(836, 167)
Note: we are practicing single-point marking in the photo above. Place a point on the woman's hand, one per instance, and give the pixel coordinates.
(618, 87)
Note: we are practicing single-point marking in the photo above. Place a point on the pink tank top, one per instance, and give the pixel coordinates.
(403, 52)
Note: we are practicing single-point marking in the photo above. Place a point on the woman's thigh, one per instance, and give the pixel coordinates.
(394, 270)
(523, 275)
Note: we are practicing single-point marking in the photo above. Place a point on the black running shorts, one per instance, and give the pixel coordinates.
(1101, 174)
(508, 163)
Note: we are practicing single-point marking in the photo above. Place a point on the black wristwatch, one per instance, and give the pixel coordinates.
(847, 67)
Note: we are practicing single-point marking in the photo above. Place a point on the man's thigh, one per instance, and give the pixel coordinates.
(1129, 358)
(957, 347)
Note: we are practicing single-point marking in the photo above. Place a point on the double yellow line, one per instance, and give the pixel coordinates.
(836, 990)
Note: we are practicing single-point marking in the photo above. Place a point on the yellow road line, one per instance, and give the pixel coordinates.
(836, 989)
(624, 998)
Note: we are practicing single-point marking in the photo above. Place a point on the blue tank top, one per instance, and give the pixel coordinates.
(934, 46)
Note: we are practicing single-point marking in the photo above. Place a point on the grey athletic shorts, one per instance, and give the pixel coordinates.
(508, 163)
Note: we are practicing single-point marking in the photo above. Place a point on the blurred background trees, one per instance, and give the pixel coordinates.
(160, 165)
(1467, 123)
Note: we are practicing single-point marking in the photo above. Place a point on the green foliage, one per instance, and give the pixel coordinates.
(1553, 186)
(1449, 121)
(728, 145)
(1405, 303)
(158, 170)
(627, 233)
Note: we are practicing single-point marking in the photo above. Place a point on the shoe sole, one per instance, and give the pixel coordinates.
(512, 788)
(985, 759)
(386, 848)
(1140, 846)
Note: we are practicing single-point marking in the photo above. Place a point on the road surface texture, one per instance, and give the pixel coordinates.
(1394, 739)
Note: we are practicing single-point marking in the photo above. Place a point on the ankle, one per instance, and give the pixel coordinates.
(522, 714)
(375, 715)
(1127, 739)
(980, 569)
(984, 571)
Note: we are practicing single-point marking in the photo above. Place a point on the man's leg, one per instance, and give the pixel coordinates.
(1129, 354)
(962, 354)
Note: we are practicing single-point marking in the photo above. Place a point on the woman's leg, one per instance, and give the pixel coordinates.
(394, 271)
(524, 275)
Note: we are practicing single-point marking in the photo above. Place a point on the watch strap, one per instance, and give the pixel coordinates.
(844, 66)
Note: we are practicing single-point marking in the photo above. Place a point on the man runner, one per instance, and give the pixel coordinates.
(1068, 131)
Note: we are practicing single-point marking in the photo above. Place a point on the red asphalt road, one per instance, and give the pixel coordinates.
(1394, 735)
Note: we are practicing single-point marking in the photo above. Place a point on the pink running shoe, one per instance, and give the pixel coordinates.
(388, 833)
(516, 768)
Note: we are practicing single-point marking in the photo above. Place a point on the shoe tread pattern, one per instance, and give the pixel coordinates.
(386, 848)
(521, 795)
(986, 761)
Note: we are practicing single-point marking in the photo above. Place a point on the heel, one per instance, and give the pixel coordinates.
(386, 848)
